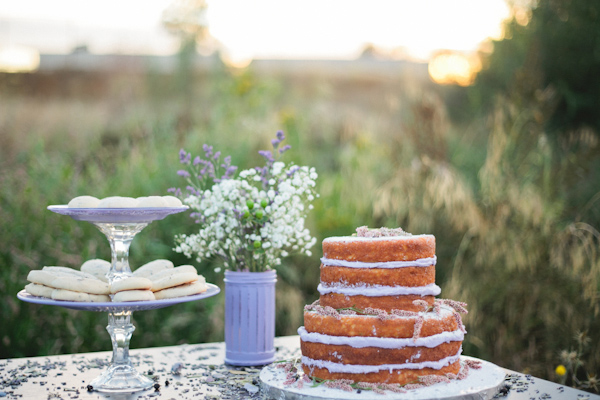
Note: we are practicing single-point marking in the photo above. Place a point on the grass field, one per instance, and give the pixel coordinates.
(516, 217)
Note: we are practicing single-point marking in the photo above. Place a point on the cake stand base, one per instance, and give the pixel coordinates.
(120, 379)
(480, 384)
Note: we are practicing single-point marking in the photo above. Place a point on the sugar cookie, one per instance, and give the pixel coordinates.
(84, 202)
(68, 271)
(39, 290)
(153, 267)
(177, 270)
(133, 295)
(79, 284)
(187, 289)
(118, 202)
(42, 277)
(131, 283)
(172, 201)
(173, 280)
(97, 267)
(69, 295)
(151, 201)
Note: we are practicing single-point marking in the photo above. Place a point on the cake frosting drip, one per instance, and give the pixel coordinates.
(379, 290)
(422, 262)
(381, 342)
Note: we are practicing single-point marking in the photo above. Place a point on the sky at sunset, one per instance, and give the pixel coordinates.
(258, 28)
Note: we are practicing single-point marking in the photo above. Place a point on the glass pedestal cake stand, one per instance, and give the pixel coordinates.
(119, 225)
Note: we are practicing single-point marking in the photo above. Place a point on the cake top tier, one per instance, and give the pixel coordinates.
(401, 247)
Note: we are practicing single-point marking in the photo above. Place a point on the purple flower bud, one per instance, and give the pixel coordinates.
(211, 171)
(275, 143)
(227, 160)
(207, 150)
(197, 160)
(184, 157)
(284, 149)
(184, 173)
(280, 135)
(217, 155)
(266, 154)
(230, 171)
(293, 170)
(175, 191)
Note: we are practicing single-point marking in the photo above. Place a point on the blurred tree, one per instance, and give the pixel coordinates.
(187, 20)
(551, 60)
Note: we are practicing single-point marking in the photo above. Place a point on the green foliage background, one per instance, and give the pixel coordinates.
(507, 186)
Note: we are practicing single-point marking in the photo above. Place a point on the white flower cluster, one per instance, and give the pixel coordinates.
(249, 225)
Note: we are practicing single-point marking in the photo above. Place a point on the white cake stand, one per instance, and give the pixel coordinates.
(119, 225)
(480, 384)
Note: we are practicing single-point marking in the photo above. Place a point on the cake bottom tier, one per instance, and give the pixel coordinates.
(394, 376)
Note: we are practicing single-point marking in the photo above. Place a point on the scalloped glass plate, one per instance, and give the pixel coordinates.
(117, 215)
(121, 306)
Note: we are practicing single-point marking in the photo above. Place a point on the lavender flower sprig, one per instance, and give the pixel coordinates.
(202, 173)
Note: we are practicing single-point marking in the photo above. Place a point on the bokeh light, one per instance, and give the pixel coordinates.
(19, 59)
(453, 68)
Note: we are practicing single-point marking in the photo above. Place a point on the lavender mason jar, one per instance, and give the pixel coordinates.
(250, 317)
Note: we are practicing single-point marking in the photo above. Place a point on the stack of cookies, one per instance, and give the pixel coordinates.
(62, 283)
(156, 280)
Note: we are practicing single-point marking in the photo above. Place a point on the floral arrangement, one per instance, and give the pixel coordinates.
(250, 220)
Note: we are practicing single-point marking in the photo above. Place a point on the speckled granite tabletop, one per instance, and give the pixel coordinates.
(193, 372)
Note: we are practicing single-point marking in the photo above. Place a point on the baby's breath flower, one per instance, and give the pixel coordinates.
(250, 221)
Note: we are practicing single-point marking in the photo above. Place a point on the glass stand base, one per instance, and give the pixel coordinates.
(121, 378)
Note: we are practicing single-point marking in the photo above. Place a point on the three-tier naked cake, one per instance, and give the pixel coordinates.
(377, 319)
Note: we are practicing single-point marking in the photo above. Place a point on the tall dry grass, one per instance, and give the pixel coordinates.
(508, 244)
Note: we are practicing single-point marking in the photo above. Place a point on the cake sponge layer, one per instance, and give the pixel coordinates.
(373, 326)
(384, 249)
(377, 356)
(409, 276)
(386, 303)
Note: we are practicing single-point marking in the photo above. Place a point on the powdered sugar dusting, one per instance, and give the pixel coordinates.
(441, 310)
(364, 231)
(382, 238)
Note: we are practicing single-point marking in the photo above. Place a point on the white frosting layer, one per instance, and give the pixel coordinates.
(362, 239)
(382, 342)
(380, 290)
(365, 369)
(422, 262)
